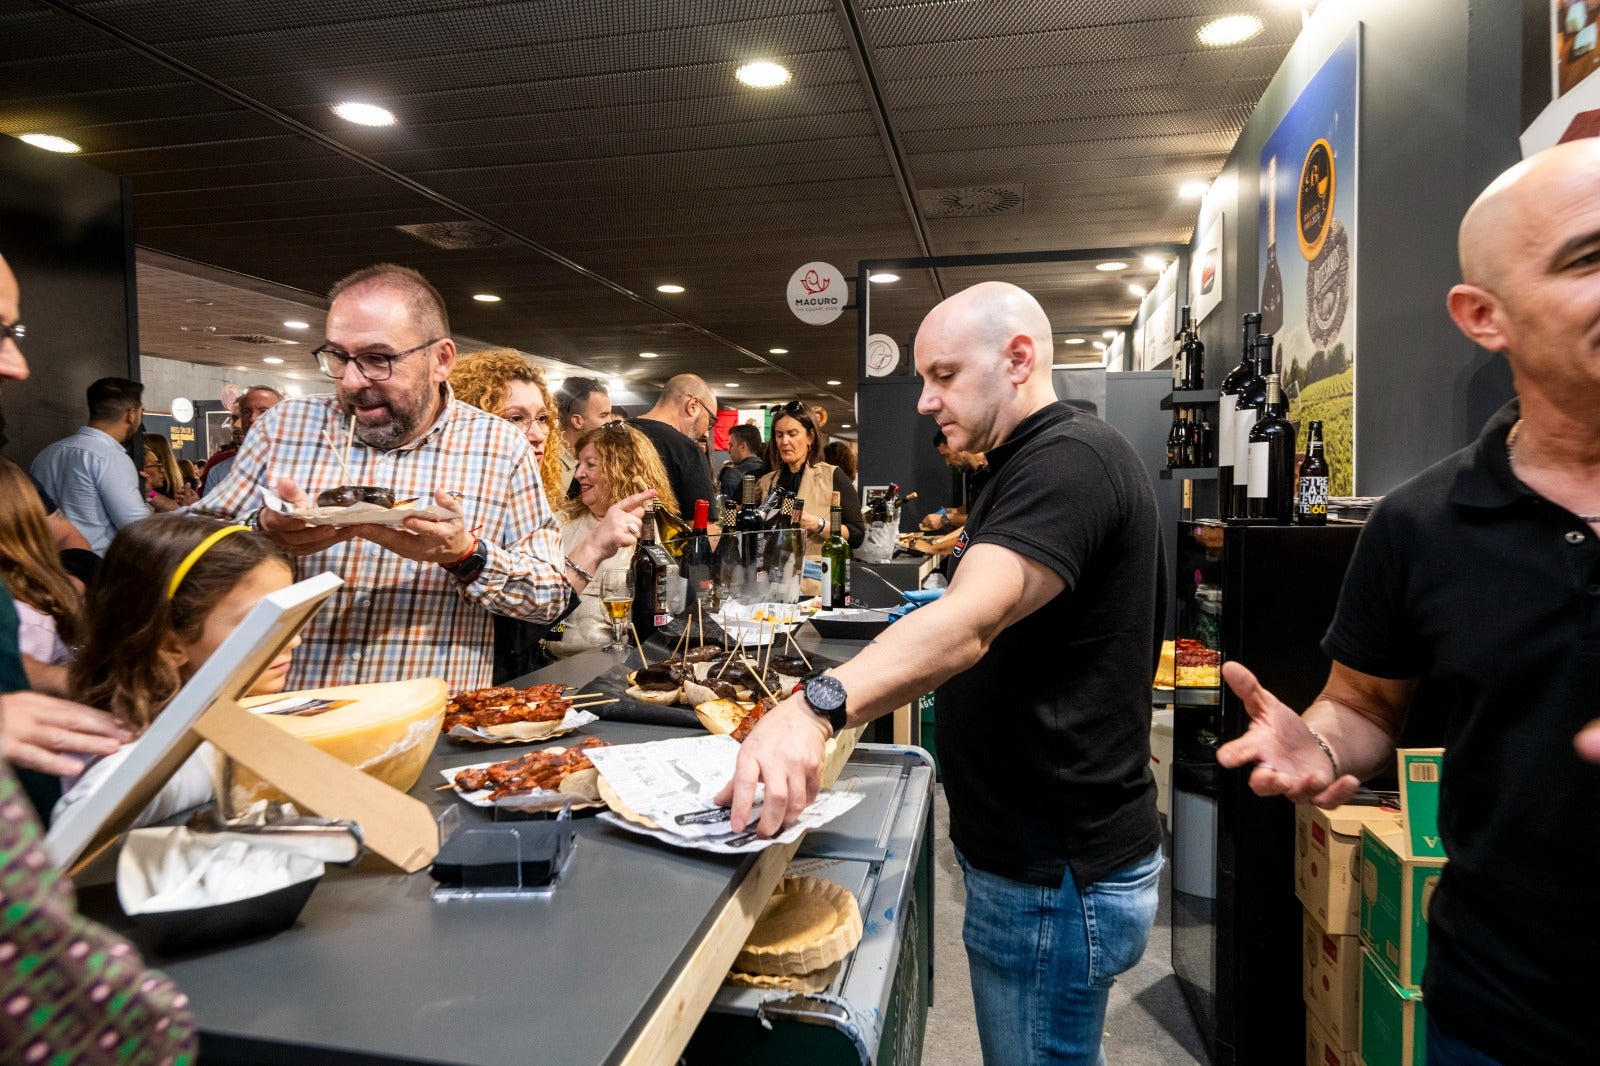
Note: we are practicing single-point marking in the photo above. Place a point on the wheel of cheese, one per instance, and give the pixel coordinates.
(387, 730)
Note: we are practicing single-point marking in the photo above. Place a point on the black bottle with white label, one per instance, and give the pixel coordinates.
(1311, 502)
(1247, 410)
(1271, 461)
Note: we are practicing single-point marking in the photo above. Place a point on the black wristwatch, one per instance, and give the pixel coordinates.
(825, 693)
(467, 570)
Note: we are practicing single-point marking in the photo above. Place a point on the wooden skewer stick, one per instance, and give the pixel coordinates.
(700, 617)
(756, 670)
(599, 703)
(795, 647)
(447, 784)
(348, 480)
(349, 446)
(643, 662)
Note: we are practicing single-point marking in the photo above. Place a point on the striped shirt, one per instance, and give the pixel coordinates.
(395, 619)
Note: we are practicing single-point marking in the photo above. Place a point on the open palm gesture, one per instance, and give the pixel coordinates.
(1288, 760)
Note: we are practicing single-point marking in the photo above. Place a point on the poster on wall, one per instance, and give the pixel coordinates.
(1139, 360)
(1575, 44)
(1205, 272)
(1160, 331)
(1307, 255)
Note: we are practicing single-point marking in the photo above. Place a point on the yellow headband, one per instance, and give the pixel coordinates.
(194, 556)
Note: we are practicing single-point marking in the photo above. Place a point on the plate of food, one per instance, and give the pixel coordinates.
(544, 780)
(506, 715)
(368, 505)
(756, 624)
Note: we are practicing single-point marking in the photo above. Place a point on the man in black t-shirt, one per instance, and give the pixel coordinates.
(1478, 582)
(682, 415)
(1041, 654)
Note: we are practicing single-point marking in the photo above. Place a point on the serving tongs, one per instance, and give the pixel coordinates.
(913, 598)
(332, 840)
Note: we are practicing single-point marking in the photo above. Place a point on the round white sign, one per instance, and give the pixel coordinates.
(817, 293)
(883, 355)
(182, 409)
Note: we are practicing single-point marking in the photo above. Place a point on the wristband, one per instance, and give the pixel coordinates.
(580, 571)
(1323, 744)
(464, 558)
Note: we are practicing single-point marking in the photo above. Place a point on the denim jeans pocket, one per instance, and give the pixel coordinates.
(1118, 912)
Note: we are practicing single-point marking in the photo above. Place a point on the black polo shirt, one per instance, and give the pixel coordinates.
(688, 470)
(1490, 594)
(1045, 743)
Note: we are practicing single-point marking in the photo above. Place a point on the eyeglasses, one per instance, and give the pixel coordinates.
(374, 367)
(16, 331)
(614, 424)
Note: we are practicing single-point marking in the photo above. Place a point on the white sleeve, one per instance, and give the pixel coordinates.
(191, 786)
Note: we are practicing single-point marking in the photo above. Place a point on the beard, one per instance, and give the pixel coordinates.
(402, 416)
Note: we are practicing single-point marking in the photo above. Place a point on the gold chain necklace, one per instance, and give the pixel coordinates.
(1511, 458)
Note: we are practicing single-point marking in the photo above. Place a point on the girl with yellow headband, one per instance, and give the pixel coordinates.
(171, 590)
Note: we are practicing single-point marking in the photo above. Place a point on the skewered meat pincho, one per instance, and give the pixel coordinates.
(549, 770)
(503, 705)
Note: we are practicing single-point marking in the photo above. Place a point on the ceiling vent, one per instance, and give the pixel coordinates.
(757, 369)
(972, 201)
(455, 236)
(257, 338)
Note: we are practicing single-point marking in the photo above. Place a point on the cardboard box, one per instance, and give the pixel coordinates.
(1327, 862)
(1330, 979)
(1321, 1049)
(1420, 769)
(1393, 1022)
(1396, 891)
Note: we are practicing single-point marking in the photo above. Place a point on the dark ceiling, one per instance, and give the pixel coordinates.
(604, 147)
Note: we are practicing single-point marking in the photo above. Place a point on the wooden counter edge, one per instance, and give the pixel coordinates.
(667, 1031)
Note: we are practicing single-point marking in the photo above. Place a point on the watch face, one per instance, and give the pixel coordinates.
(825, 693)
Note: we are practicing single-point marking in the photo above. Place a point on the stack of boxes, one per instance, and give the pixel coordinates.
(1365, 876)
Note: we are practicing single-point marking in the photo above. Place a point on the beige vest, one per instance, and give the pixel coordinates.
(816, 489)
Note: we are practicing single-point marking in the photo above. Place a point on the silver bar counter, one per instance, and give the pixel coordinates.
(376, 971)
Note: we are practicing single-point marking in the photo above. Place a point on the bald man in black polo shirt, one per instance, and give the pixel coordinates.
(1480, 580)
(1042, 652)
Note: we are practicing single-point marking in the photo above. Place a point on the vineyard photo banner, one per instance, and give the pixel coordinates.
(1307, 256)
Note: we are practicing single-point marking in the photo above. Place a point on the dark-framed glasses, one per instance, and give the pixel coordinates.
(15, 331)
(372, 365)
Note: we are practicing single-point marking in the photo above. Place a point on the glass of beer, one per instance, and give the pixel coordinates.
(616, 596)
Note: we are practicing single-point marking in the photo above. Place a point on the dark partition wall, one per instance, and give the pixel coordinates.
(62, 230)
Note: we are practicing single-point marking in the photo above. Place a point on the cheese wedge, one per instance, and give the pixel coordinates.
(387, 730)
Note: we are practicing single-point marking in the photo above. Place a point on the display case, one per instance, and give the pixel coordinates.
(1262, 595)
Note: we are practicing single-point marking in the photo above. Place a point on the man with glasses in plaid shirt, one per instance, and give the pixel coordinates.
(417, 599)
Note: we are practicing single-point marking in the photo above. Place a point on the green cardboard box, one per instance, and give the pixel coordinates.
(1396, 891)
(1420, 769)
(1393, 1021)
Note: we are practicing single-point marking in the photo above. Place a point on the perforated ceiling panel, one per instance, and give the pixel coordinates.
(608, 145)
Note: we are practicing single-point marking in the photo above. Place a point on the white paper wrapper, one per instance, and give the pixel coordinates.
(357, 514)
(574, 719)
(174, 869)
(741, 623)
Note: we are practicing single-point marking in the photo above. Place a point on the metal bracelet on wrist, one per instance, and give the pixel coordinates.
(580, 571)
(1323, 744)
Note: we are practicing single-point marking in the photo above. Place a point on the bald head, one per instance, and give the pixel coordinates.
(12, 364)
(988, 315)
(1506, 222)
(680, 387)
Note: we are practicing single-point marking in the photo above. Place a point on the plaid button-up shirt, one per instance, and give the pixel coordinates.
(395, 619)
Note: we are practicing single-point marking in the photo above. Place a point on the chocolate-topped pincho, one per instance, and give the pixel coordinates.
(345, 495)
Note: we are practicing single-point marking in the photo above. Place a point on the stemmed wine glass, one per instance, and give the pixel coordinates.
(616, 594)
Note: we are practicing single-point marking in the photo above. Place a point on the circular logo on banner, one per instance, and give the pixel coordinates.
(182, 409)
(818, 293)
(883, 355)
(1314, 201)
(1328, 287)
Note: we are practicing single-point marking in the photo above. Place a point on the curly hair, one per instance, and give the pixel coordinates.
(29, 564)
(629, 463)
(839, 454)
(129, 618)
(480, 379)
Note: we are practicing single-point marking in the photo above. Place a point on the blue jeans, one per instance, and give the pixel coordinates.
(1446, 1050)
(1043, 959)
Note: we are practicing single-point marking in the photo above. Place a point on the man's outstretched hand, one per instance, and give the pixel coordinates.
(1288, 760)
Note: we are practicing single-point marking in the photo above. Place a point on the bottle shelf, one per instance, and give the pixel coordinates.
(1189, 473)
(1190, 398)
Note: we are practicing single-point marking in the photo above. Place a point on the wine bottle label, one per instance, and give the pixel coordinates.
(1243, 422)
(1225, 441)
(827, 584)
(1313, 495)
(1259, 460)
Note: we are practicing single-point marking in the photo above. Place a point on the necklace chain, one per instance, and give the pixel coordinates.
(1511, 458)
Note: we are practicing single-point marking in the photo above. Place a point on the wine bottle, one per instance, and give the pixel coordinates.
(672, 532)
(1179, 374)
(747, 522)
(1247, 409)
(1232, 385)
(1311, 506)
(1271, 459)
(1205, 442)
(1175, 442)
(652, 566)
(1193, 353)
(1272, 283)
(695, 564)
(835, 560)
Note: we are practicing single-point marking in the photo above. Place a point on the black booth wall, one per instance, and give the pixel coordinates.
(65, 234)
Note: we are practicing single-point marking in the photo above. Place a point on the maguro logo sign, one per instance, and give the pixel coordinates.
(818, 293)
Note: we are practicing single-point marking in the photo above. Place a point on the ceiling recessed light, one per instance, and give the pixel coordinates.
(834, 381)
(50, 142)
(1100, 345)
(1110, 333)
(648, 355)
(730, 384)
(883, 279)
(1108, 267)
(1153, 262)
(777, 351)
(762, 74)
(1137, 290)
(669, 288)
(294, 324)
(486, 297)
(363, 114)
(1230, 29)
(1193, 190)
(271, 360)
(1073, 340)
(844, 425)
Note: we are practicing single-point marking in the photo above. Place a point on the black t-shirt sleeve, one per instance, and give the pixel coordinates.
(1372, 630)
(849, 508)
(1054, 504)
